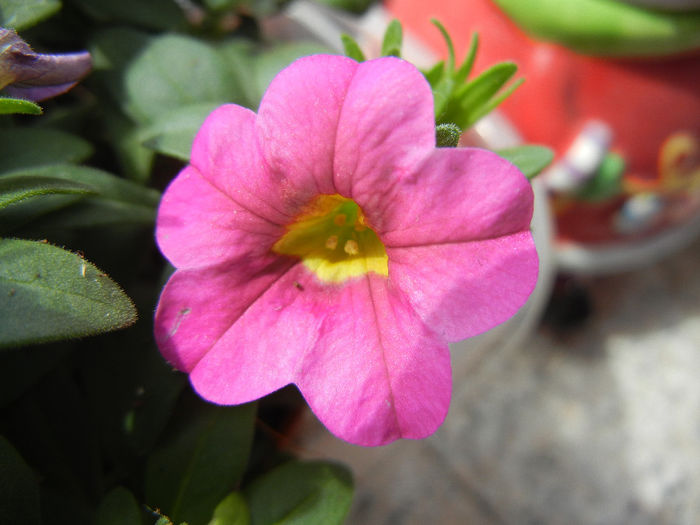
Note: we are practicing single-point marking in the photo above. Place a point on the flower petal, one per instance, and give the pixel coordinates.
(199, 225)
(376, 373)
(386, 127)
(298, 119)
(263, 349)
(226, 152)
(198, 306)
(455, 195)
(461, 290)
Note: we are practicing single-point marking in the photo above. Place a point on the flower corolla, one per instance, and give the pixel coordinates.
(326, 242)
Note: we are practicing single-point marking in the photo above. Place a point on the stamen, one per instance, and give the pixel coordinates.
(340, 219)
(332, 242)
(351, 247)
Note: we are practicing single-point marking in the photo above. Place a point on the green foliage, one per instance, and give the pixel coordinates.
(15, 188)
(189, 475)
(21, 14)
(233, 510)
(305, 493)
(9, 106)
(352, 48)
(173, 132)
(601, 27)
(463, 102)
(29, 147)
(19, 488)
(50, 293)
(119, 507)
(530, 159)
(353, 6)
(393, 38)
(103, 199)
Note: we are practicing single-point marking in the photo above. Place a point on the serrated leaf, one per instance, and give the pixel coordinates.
(172, 134)
(51, 294)
(14, 189)
(233, 510)
(21, 14)
(352, 48)
(311, 493)
(119, 507)
(30, 147)
(9, 106)
(393, 39)
(19, 488)
(530, 158)
(204, 460)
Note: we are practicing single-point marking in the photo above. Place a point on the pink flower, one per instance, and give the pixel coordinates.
(327, 242)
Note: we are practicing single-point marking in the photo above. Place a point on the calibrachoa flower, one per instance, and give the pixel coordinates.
(327, 242)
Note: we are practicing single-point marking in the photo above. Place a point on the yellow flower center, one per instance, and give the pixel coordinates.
(333, 240)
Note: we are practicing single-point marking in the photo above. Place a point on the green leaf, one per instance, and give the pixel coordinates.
(472, 98)
(435, 73)
(607, 28)
(17, 188)
(30, 147)
(352, 48)
(9, 106)
(51, 294)
(204, 460)
(448, 42)
(172, 134)
(239, 56)
(173, 71)
(119, 507)
(233, 510)
(530, 159)
(19, 488)
(393, 37)
(353, 6)
(463, 72)
(305, 493)
(116, 201)
(21, 14)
